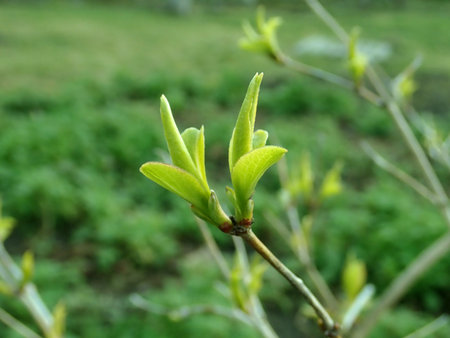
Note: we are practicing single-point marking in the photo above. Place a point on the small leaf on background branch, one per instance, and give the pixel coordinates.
(264, 38)
(357, 60)
(354, 276)
(332, 183)
(59, 321)
(6, 225)
(306, 181)
(27, 268)
(257, 270)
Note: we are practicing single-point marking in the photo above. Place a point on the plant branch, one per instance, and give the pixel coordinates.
(430, 328)
(17, 326)
(393, 109)
(213, 248)
(29, 296)
(401, 284)
(398, 173)
(329, 77)
(304, 256)
(328, 324)
(257, 312)
(355, 309)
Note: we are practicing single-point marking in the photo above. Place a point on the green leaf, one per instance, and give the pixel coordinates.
(27, 268)
(357, 60)
(194, 139)
(306, 176)
(5, 289)
(332, 184)
(257, 269)
(59, 321)
(249, 169)
(242, 138)
(6, 226)
(177, 149)
(260, 138)
(354, 276)
(177, 181)
(238, 294)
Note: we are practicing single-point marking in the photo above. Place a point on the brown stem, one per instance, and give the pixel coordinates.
(328, 324)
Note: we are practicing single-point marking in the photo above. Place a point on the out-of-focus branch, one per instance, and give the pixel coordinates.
(330, 78)
(430, 328)
(28, 294)
(393, 109)
(258, 314)
(398, 173)
(213, 248)
(302, 253)
(403, 282)
(17, 326)
(187, 311)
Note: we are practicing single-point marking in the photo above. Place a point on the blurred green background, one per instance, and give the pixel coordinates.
(79, 113)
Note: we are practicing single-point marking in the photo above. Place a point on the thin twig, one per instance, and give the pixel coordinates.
(398, 173)
(436, 251)
(257, 312)
(17, 326)
(391, 106)
(330, 327)
(213, 248)
(302, 253)
(410, 140)
(28, 295)
(403, 282)
(187, 311)
(329, 77)
(278, 226)
(430, 328)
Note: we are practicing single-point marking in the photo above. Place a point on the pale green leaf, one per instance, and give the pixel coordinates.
(250, 33)
(357, 60)
(260, 18)
(306, 176)
(27, 267)
(260, 138)
(194, 140)
(177, 149)
(59, 321)
(255, 45)
(241, 140)
(6, 226)
(177, 181)
(332, 184)
(271, 25)
(250, 167)
(354, 276)
(257, 269)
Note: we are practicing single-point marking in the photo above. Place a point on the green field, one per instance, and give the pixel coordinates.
(79, 113)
